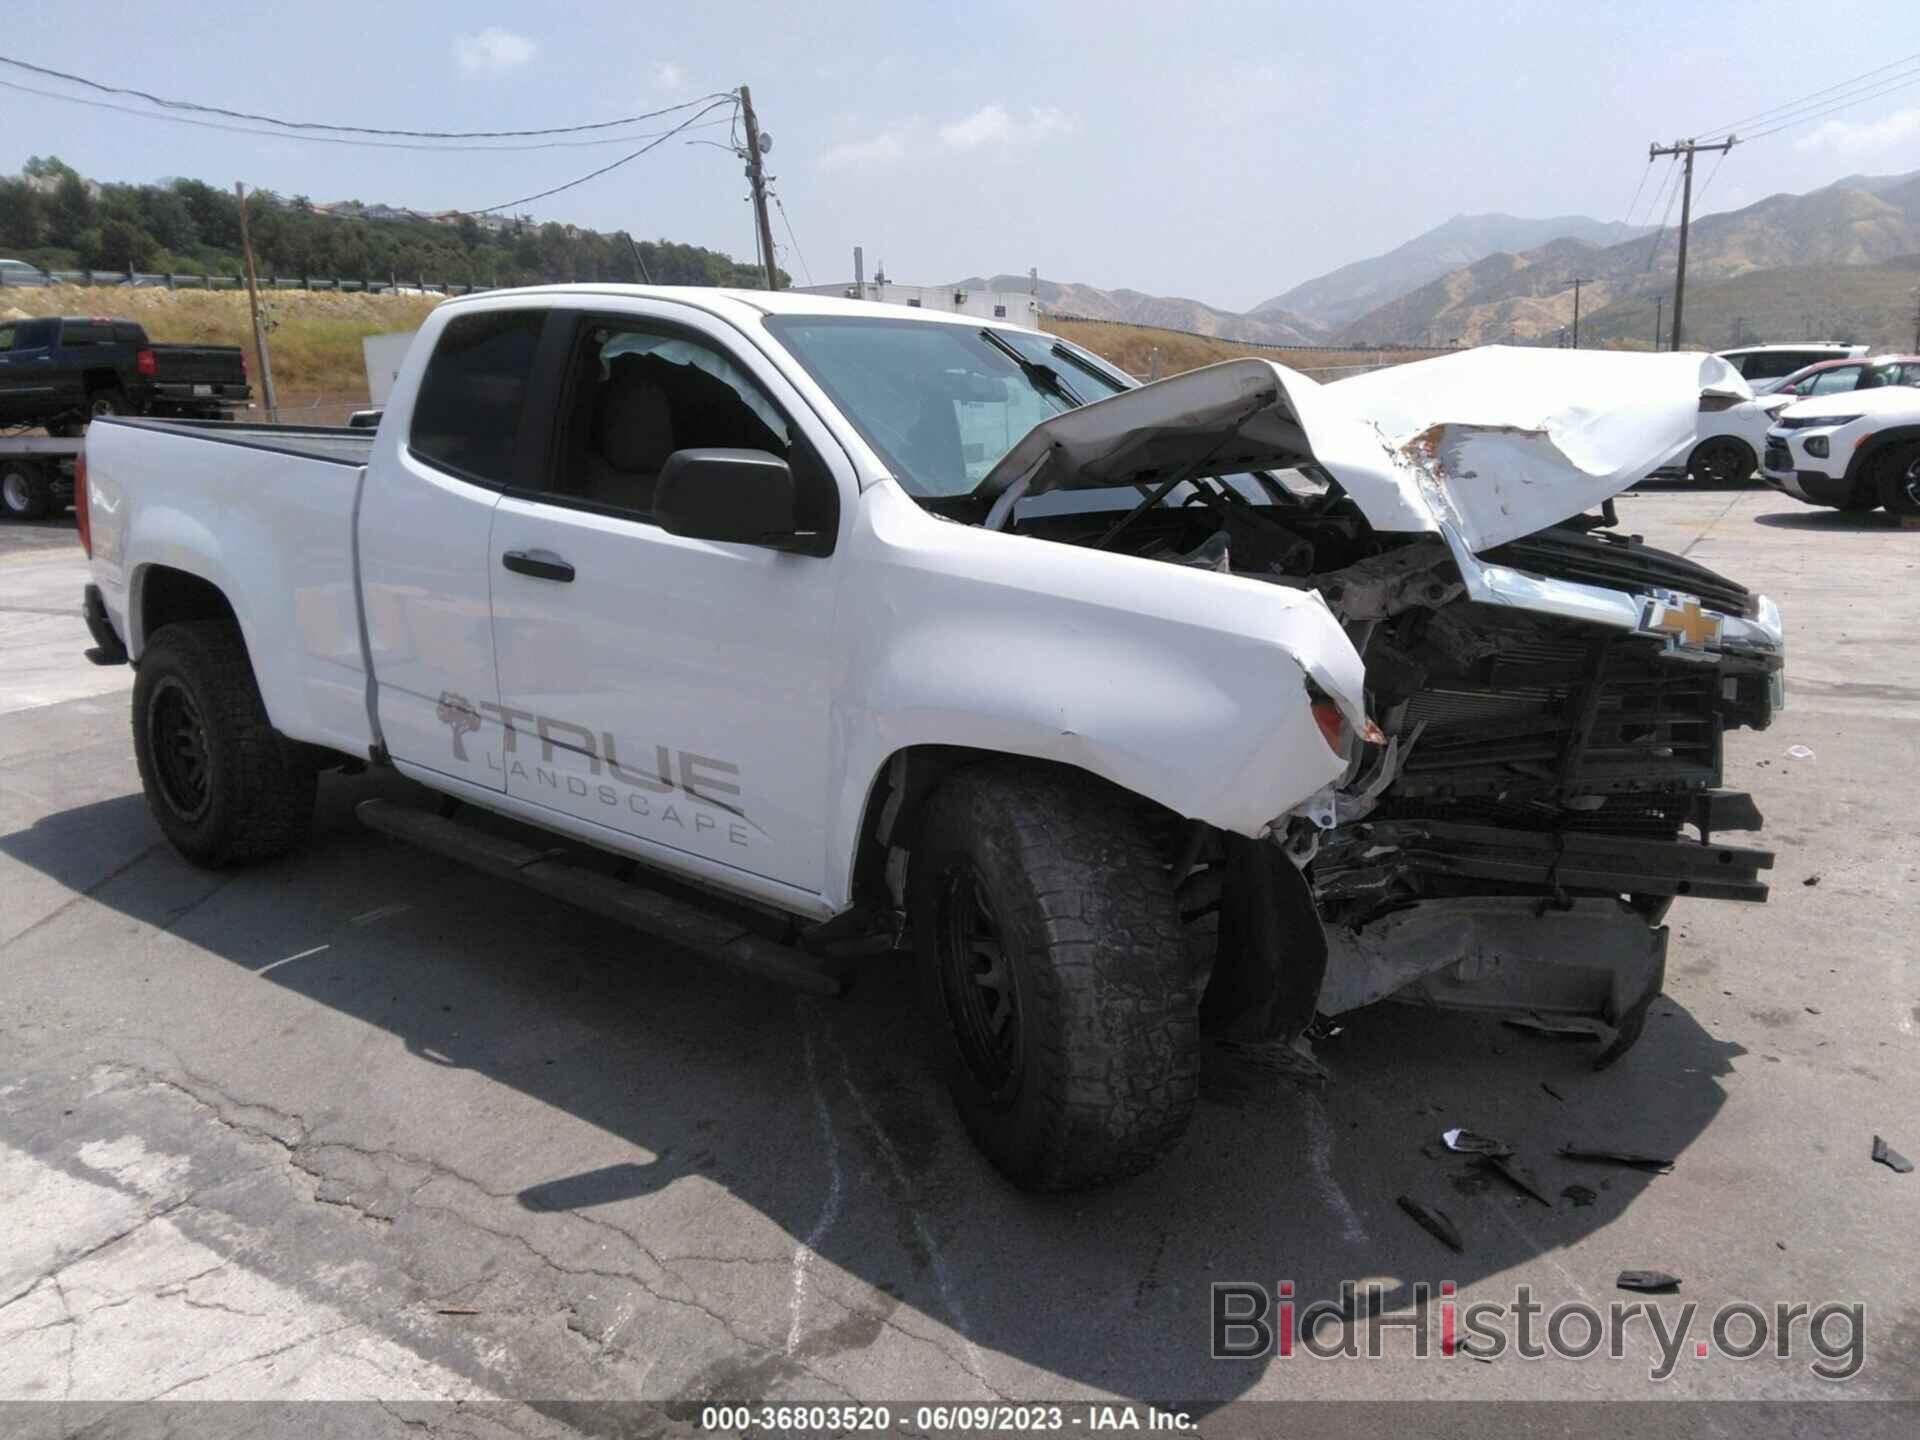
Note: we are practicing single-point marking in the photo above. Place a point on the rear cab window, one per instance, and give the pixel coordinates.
(31, 335)
(468, 416)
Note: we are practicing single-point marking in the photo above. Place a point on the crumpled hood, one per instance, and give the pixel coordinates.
(1494, 443)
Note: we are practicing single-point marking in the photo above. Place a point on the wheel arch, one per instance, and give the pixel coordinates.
(1870, 451)
(166, 595)
(896, 803)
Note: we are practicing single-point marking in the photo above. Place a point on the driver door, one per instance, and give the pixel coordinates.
(671, 693)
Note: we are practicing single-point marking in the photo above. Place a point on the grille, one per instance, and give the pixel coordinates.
(1778, 456)
(1621, 562)
(1545, 720)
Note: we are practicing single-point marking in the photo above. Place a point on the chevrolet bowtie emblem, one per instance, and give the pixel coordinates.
(1689, 624)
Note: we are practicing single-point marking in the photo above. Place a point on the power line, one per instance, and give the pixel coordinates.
(1673, 168)
(200, 109)
(1637, 189)
(652, 144)
(1773, 112)
(1898, 83)
(791, 236)
(1707, 184)
(328, 139)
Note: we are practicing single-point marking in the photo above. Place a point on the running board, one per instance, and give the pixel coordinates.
(685, 924)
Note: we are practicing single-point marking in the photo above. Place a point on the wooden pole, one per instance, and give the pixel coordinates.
(253, 303)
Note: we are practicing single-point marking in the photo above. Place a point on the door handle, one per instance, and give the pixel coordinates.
(540, 564)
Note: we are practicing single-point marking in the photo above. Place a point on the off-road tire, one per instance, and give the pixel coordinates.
(1721, 461)
(1106, 1016)
(26, 493)
(1898, 475)
(258, 787)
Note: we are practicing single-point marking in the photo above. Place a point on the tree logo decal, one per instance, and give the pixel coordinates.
(456, 712)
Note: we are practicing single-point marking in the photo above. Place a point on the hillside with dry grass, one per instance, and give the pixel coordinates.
(1131, 347)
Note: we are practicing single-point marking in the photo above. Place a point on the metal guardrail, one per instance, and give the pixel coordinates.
(140, 279)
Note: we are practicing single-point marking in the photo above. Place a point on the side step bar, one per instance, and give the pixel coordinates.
(671, 919)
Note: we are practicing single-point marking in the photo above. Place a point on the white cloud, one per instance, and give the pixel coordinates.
(492, 49)
(995, 125)
(881, 149)
(989, 125)
(667, 75)
(1866, 137)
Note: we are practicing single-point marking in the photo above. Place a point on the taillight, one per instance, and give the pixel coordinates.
(143, 362)
(82, 521)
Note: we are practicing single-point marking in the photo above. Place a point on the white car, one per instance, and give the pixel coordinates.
(1855, 450)
(15, 273)
(1730, 431)
(1765, 367)
(873, 620)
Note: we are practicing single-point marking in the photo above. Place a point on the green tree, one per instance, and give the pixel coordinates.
(72, 210)
(120, 246)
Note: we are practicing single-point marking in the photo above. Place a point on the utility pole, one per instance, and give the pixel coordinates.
(1659, 303)
(1687, 148)
(253, 303)
(1578, 281)
(1916, 319)
(638, 264)
(756, 173)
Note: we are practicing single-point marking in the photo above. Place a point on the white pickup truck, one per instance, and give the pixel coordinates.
(1210, 706)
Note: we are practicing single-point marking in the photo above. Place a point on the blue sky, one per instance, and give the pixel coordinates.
(1218, 150)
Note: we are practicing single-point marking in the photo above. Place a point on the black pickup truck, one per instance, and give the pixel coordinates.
(61, 371)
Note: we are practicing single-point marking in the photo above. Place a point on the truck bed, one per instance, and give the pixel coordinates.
(337, 445)
(265, 514)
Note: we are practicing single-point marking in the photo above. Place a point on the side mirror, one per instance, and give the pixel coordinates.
(742, 496)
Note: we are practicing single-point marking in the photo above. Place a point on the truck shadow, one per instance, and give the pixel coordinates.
(1833, 521)
(825, 1118)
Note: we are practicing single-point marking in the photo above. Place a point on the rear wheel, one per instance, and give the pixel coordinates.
(110, 401)
(1900, 481)
(1721, 461)
(222, 783)
(1055, 972)
(26, 493)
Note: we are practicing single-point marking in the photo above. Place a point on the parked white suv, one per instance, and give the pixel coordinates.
(1854, 450)
(1766, 366)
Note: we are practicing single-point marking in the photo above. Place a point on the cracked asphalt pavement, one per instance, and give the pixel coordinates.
(364, 1125)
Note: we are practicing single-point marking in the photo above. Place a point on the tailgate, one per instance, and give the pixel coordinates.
(198, 364)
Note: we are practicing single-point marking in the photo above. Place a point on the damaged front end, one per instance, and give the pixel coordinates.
(1537, 771)
(1555, 783)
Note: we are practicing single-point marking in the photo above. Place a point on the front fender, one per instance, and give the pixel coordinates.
(1183, 686)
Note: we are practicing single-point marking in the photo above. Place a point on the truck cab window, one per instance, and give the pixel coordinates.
(467, 417)
(635, 396)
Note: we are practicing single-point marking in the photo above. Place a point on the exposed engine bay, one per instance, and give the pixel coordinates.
(1513, 834)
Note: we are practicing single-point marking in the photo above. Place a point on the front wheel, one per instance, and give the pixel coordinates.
(1900, 481)
(1055, 973)
(224, 786)
(1721, 461)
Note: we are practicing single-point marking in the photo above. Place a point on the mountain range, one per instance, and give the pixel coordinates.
(1272, 327)
(1480, 278)
(1526, 294)
(1343, 295)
